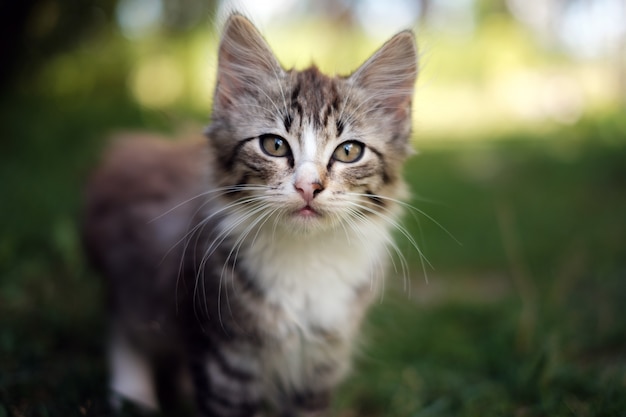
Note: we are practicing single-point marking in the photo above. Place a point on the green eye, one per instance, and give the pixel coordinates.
(347, 152)
(274, 145)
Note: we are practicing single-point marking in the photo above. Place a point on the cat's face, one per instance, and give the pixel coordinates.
(303, 150)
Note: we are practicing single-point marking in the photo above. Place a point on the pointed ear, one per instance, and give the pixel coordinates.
(245, 61)
(389, 75)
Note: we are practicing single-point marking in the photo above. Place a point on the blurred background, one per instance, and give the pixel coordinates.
(519, 186)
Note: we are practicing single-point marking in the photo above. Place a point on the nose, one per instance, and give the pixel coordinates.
(308, 190)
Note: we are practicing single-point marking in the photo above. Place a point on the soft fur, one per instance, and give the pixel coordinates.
(246, 266)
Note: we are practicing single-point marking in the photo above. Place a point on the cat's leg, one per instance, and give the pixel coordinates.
(131, 375)
(226, 384)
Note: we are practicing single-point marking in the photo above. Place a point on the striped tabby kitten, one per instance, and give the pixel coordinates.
(243, 269)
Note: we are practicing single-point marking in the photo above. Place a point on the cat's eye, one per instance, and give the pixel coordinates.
(274, 145)
(350, 151)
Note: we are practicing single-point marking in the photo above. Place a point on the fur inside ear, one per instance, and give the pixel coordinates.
(389, 75)
(245, 61)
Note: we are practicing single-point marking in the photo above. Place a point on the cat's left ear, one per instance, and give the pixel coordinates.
(389, 76)
(245, 61)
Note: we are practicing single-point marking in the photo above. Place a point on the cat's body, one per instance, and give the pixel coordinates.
(247, 265)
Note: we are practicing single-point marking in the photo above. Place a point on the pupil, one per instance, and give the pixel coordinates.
(347, 149)
(277, 144)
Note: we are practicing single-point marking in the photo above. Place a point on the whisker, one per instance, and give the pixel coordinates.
(238, 206)
(221, 190)
(217, 213)
(210, 250)
(235, 250)
(197, 230)
(377, 264)
(403, 231)
(412, 209)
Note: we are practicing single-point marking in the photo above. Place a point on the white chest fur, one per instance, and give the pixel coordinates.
(313, 279)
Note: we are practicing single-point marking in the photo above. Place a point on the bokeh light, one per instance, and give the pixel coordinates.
(157, 82)
(138, 17)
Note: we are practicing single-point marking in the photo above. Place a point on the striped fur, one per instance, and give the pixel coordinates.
(247, 265)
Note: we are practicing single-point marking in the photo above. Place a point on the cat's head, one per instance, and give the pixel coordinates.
(305, 150)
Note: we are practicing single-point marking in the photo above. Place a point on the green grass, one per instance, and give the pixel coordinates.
(522, 316)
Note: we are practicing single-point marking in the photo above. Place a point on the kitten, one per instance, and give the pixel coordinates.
(244, 265)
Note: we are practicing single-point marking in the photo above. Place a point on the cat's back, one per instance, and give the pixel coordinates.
(139, 200)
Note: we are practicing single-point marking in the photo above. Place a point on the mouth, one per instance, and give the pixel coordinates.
(307, 212)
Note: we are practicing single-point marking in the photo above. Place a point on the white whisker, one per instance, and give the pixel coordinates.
(412, 209)
(236, 246)
(404, 268)
(403, 231)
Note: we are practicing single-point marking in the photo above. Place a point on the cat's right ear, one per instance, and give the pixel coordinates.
(245, 61)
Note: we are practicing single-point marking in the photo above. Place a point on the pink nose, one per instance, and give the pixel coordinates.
(308, 190)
